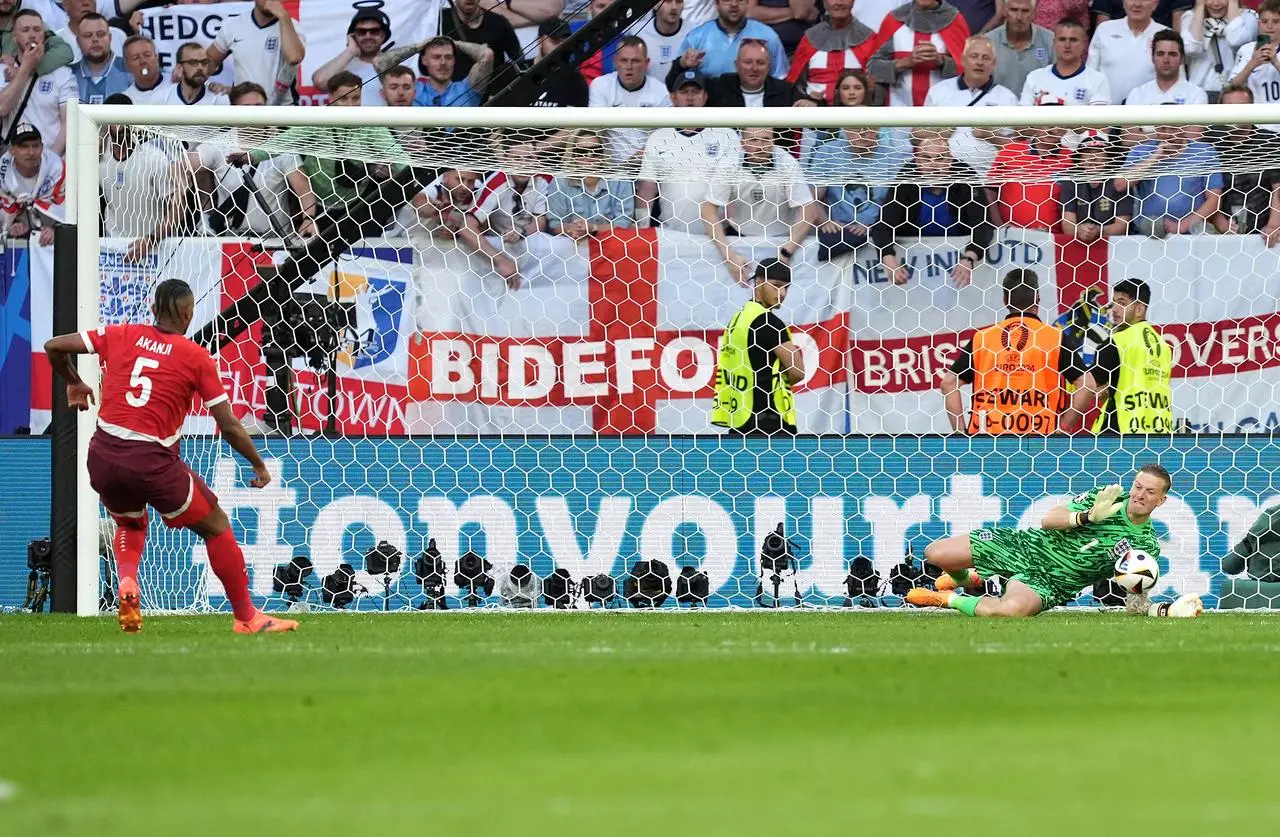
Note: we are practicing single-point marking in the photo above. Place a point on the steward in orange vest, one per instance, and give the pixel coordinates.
(1018, 367)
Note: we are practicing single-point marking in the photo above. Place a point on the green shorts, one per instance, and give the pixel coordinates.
(1015, 554)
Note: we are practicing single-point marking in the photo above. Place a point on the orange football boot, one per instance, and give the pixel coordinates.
(262, 623)
(946, 583)
(921, 597)
(129, 605)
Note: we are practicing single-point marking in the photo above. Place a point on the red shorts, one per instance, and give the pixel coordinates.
(129, 476)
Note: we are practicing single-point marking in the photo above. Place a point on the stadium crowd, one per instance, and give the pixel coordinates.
(843, 187)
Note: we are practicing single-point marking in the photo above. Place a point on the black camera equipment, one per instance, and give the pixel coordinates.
(776, 560)
(473, 575)
(904, 576)
(692, 587)
(289, 580)
(339, 587)
(862, 584)
(520, 589)
(384, 560)
(647, 585)
(599, 589)
(40, 575)
(432, 573)
(559, 590)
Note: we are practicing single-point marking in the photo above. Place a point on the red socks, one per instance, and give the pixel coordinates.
(227, 563)
(127, 545)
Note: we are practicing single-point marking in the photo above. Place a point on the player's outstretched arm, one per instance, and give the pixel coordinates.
(61, 350)
(1105, 503)
(235, 434)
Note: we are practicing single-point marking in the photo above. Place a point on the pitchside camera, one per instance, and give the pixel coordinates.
(432, 573)
(647, 585)
(776, 563)
(558, 589)
(520, 588)
(692, 587)
(40, 556)
(472, 575)
(599, 589)
(339, 587)
(289, 579)
(862, 584)
(384, 560)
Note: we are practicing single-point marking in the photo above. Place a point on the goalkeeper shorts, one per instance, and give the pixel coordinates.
(1016, 554)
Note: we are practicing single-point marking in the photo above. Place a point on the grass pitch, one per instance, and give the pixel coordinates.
(635, 724)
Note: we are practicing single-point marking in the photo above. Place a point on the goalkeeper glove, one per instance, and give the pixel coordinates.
(1105, 504)
(1186, 607)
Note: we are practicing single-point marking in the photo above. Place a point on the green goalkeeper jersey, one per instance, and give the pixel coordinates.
(1087, 555)
(1059, 563)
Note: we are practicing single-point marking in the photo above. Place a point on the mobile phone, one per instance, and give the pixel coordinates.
(1263, 40)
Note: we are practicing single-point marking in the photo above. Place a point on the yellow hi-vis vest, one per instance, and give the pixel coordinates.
(1143, 398)
(736, 380)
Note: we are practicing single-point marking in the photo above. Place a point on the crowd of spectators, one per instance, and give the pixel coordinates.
(837, 187)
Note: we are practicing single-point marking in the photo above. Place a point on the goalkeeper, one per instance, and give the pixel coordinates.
(1076, 546)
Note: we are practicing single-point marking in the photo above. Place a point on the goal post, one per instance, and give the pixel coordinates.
(461, 393)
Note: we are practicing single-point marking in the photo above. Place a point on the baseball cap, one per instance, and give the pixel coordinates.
(555, 29)
(26, 131)
(1136, 288)
(1094, 139)
(773, 270)
(689, 77)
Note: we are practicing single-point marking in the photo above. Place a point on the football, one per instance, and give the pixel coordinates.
(1137, 571)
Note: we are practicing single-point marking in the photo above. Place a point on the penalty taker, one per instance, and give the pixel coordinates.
(1084, 542)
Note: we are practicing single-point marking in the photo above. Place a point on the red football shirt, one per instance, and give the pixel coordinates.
(1029, 196)
(150, 379)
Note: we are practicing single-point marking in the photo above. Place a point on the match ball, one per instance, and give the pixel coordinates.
(1137, 571)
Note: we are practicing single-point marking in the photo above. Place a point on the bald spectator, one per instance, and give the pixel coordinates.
(750, 85)
(1021, 45)
(839, 43)
(1121, 49)
(920, 44)
(975, 87)
(1168, 13)
(628, 86)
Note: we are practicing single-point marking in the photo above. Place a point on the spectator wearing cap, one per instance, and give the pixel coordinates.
(759, 362)
(1093, 207)
(28, 96)
(713, 47)
(975, 87)
(566, 90)
(1168, 201)
(921, 43)
(663, 34)
(1021, 45)
(1131, 373)
(32, 186)
(629, 86)
(466, 22)
(750, 85)
(677, 164)
(763, 195)
(828, 48)
(192, 73)
(1121, 49)
(100, 70)
(439, 89)
(1068, 80)
(368, 31)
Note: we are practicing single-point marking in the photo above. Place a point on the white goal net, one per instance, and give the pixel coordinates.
(482, 352)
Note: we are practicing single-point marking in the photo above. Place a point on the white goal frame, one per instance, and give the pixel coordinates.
(85, 122)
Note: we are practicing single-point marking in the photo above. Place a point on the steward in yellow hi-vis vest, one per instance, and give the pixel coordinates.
(1019, 369)
(1133, 370)
(758, 363)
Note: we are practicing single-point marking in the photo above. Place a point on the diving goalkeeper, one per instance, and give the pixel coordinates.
(1076, 545)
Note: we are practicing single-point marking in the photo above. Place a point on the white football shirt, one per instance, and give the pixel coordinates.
(681, 164)
(607, 92)
(258, 55)
(953, 92)
(1123, 57)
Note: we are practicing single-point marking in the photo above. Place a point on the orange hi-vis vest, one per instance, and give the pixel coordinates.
(1017, 387)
